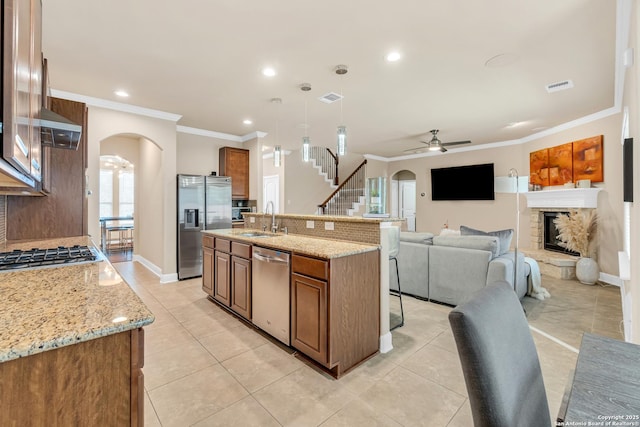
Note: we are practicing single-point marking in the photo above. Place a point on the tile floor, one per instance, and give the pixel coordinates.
(203, 367)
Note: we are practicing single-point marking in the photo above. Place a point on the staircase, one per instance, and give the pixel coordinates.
(348, 197)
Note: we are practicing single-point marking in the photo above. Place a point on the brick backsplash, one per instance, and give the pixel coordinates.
(362, 232)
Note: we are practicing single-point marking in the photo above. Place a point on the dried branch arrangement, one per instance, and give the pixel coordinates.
(577, 230)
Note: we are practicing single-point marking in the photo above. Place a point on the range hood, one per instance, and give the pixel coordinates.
(58, 131)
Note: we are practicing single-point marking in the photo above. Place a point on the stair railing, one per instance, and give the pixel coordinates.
(327, 161)
(346, 194)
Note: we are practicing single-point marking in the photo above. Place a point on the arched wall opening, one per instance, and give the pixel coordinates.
(403, 197)
(150, 143)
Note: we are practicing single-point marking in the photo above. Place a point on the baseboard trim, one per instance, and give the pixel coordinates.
(610, 279)
(164, 278)
(386, 344)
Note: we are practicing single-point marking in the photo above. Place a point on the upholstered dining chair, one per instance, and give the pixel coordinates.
(499, 360)
(394, 247)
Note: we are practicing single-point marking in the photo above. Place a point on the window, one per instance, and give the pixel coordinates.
(126, 193)
(106, 193)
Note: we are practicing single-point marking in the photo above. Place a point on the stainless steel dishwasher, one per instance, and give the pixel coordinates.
(270, 292)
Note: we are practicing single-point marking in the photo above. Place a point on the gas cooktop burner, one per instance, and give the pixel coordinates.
(19, 259)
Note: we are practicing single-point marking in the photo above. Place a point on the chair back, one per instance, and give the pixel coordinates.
(393, 234)
(499, 360)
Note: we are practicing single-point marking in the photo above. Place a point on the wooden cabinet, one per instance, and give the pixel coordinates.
(64, 211)
(335, 309)
(97, 382)
(231, 275)
(208, 260)
(241, 286)
(309, 316)
(222, 277)
(234, 162)
(22, 88)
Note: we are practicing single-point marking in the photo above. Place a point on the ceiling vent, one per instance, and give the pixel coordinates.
(558, 86)
(330, 97)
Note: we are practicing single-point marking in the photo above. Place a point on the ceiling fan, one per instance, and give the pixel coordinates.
(435, 144)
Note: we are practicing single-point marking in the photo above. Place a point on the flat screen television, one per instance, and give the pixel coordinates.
(472, 182)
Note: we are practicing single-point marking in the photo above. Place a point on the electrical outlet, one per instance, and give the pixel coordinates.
(310, 224)
(252, 219)
(328, 225)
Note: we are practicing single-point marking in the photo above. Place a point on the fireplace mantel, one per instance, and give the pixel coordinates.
(565, 198)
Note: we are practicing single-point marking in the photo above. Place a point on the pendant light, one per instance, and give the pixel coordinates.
(277, 156)
(277, 152)
(341, 148)
(306, 143)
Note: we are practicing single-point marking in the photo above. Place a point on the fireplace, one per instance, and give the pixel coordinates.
(550, 234)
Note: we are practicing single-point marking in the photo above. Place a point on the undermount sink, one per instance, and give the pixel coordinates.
(257, 234)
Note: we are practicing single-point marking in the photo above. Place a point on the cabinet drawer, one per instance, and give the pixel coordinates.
(223, 245)
(207, 241)
(310, 267)
(241, 249)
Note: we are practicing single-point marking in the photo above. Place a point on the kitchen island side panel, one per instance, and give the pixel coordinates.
(354, 309)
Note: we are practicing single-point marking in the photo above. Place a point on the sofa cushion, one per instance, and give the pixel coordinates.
(409, 236)
(484, 243)
(504, 236)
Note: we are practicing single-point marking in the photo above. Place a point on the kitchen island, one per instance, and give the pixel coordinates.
(71, 343)
(329, 292)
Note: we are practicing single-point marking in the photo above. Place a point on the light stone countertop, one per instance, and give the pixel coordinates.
(332, 218)
(46, 308)
(296, 243)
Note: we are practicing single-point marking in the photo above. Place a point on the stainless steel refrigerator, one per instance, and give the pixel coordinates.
(204, 203)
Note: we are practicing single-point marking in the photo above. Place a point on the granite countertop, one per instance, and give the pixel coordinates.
(46, 308)
(333, 218)
(296, 243)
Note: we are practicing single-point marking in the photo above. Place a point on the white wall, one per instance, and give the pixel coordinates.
(104, 123)
(199, 155)
(149, 218)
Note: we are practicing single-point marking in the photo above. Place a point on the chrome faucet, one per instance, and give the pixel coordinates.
(274, 226)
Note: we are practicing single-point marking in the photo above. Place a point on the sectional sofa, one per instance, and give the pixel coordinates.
(450, 268)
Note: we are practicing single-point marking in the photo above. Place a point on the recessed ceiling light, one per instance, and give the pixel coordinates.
(247, 121)
(393, 56)
(121, 93)
(268, 71)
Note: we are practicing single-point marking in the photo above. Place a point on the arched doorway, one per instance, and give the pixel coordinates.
(403, 197)
(117, 207)
(136, 196)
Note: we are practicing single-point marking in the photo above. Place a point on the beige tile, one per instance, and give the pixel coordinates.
(150, 416)
(409, 399)
(364, 376)
(229, 343)
(304, 398)
(246, 412)
(164, 336)
(440, 366)
(163, 367)
(359, 413)
(196, 396)
(462, 418)
(411, 385)
(261, 366)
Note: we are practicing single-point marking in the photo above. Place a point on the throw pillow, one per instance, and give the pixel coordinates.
(505, 236)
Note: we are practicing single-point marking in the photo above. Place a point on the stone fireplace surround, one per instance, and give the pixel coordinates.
(555, 264)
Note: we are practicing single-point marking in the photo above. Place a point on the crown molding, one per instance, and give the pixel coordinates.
(208, 133)
(117, 106)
